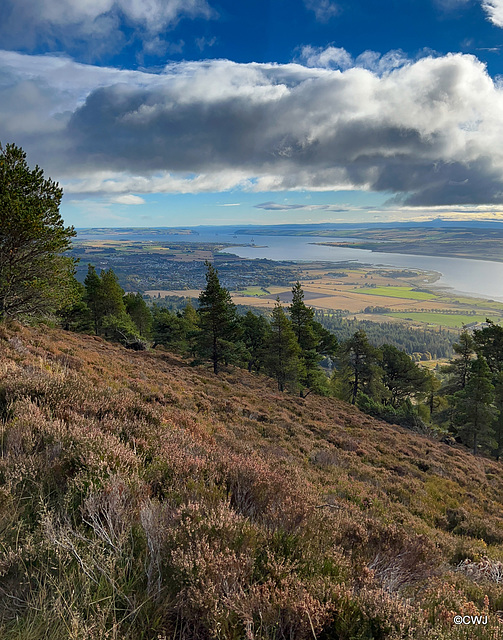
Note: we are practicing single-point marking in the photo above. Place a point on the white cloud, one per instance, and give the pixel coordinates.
(494, 10)
(329, 57)
(324, 10)
(203, 43)
(338, 58)
(129, 199)
(96, 25)
(428, 132)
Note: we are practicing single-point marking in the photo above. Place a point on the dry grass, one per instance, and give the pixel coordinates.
(144, 498)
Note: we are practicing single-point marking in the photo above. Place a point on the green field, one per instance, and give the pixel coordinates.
(443, 319)
(474, 302)
(396, 292)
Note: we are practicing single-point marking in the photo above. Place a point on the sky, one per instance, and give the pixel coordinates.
(189, 112)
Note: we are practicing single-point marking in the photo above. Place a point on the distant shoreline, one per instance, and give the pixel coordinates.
(405, 250)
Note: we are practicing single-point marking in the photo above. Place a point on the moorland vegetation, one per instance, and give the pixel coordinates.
(200, 474)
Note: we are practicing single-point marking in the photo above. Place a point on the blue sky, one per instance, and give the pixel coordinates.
(186, 112)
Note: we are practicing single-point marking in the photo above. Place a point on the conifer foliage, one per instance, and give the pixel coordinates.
(35, 277)
(217, 321)
(122, 318)
(474, 411)
(283, 350)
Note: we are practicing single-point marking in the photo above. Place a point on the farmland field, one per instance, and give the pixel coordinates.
(396, 292)
(443, 319)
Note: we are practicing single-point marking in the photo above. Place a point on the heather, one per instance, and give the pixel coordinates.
(144, 498)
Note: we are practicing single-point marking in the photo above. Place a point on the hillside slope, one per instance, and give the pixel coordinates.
(144, 498)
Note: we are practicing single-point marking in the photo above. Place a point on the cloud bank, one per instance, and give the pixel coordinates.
(99, 23)
(427, 132)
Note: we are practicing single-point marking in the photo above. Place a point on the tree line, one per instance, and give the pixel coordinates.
(465, 399)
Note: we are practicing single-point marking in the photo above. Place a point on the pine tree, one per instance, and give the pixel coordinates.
(433, 400)
(314, 342)
(458, 368)
(190, 328)
(35, 277)
(93, 297)
(283, 351)
(474, 413)
(489, 344)
(254, 330)
(104, 297)
(112, 294)
(301, 317)
(498, 422)
(359, 370)
(217, 321)
(141, 315)
(167, 328)
(401, 375)
(75, 315)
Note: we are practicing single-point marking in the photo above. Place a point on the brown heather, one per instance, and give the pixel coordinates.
(141, 498)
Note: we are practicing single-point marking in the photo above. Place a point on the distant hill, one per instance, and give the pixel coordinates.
(297, 229)
(142, 498)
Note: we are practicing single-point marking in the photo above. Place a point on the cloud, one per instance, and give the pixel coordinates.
(338, 58)
(202, 43)
(276, 206)
(324, 10)
(426, 132)
(103, 24)
(494, 10)
(129, 199)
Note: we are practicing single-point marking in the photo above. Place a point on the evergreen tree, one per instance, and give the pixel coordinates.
(121, 328)
(433, 400)
(359, 370)
(112, 294)
(327, 343)
(314, 342)
(35, 277)
(498, 422)
(169, 330)
(141, 315)
(402, 377)
(166, 328)
(75, 315)
(190, 316)
(104, 297)
(283, 351)
(458, 368)
(93, 297)
(301, 317)
(489, 344)
(254, 330)
(474, 413)
(190, 328)
(217, 321)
